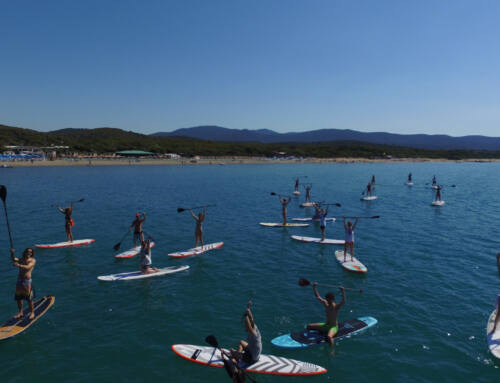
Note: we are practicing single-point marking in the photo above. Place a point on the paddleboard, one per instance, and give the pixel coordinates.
(138, 275)
(369, 198)
(267, 364)
(296, 192)
(197, 250)
(318, 240)
(437, 203)
(409, 183)
(434, 187)
(276, 224)
(132, 252)
(354, 265)
(312, 219)
(14, 326)
(310, 338)
(493, 339)
(76, 242)
(307, 204)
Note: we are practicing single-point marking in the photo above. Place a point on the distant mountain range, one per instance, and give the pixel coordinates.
(420, 141)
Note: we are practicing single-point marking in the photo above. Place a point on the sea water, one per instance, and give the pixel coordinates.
(432, 279)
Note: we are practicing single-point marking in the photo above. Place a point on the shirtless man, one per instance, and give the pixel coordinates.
(497, 318)
(284, 202)
(322, 222)
(24, 287)
(68, 221)
(438, 193)
(146, 261)
(349, 237)
(198, 232)
(308, 193)
(331, 326)
(369, 190)
(137, 225)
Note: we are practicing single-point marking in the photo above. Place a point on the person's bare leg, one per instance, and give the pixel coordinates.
(20, 307)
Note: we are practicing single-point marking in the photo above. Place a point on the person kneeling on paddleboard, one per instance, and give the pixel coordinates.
(146, 257)
(137, 225)
(24, 286)
(198, 232)
(68, 221)
(248, 351)
(331, 326)
(497, 318)
(349, 237)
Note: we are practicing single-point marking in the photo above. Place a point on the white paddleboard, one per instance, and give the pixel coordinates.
(312, 219)
(267, 364)
(296, 192)
(434, 187)
(354, 265)
(76, 242)
(318, 240)
(409, 183)
(437, 203)
(493, 339)
(138, 275)
(369, 198)
(277, 224)
(307, 204)
(132, 252)
(197, 250)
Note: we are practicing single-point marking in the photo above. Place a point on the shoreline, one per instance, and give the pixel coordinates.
(225, 161)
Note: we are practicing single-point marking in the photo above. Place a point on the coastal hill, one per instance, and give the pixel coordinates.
(421, 141)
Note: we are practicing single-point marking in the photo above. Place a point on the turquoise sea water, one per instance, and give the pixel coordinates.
(432, 280)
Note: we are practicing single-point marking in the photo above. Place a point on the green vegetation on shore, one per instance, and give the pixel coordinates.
(110, 140)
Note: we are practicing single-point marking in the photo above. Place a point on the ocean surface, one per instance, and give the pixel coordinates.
(432, 281)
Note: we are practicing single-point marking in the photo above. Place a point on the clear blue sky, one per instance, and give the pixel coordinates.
(295, 65)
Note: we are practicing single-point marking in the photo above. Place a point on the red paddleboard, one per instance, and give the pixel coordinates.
(197, 250)
(132, 252)
(77, 242)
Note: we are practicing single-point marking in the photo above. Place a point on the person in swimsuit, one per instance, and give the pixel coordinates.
(349, 237)
(409, 177)
(68, 221)
(373, 180)
(331, 326)
(24, 286)
(249, 351)
(146, 261)
(198, 232)
(317, 211)
(438, 193)
(369, 190)
(497, 318)
(137, 225)
(296, 184)
(308, 193)
(322, 222)
(434, 181)
(284, 202)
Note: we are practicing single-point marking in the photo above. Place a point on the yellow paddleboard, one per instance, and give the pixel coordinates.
(15, 326)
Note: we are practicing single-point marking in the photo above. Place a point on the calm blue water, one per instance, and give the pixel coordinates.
(432, 281)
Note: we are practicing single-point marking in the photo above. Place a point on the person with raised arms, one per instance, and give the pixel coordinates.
(322, 221)
(308, 193)
(198, 232)
(349, 237)
(249, 351)
(317, 211)
(497, 318)
(438, 193)
(434, 180)
(68, 220)
(137, 226)
(373, 180)
(331, 326)
(24, 285)
(284, 202)
(145, 254)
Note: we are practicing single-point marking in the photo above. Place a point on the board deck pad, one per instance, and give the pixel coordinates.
(277, 224)
(197, 250)
(15, 326)
(354, 265)
(493, 339)
(267, 364)
(312, 219)
(132, 252)
(327, 241)
(310, 338)
(138, 275)
(76, 242)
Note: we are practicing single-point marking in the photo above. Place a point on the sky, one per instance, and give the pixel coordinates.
(287, 65)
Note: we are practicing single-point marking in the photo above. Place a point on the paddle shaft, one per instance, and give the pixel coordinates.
(4, 197)
(345, 288)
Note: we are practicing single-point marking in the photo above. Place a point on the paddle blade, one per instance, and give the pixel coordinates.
(117, 246)
(3, 192)
(273, 193)
(212, 341)
(338, 205)
(180, 210)
(304, 282)
(376, 216)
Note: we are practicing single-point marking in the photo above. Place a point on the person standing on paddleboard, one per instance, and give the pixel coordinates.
(434, 181)
(409, 177)
(198, 232)
(249, 351)
(308, 193)
(497, 318)
(24, 286)
(146, 261)
(331, 326)
(322, 222)
(68, 220)
(349, 237)
(438, 193)
(284, 203)
(137, 225)
(369, 189)
(373, 180)
(296, 184)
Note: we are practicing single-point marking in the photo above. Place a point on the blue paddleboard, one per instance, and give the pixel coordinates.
(313, 338)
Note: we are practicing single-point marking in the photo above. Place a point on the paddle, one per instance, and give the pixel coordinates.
(372, 217)
(117, 246)
(181, 209)
(3, 196)
(330, 204)
(72, 202)
(280, 195)
(304, 282)
(229, 366)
